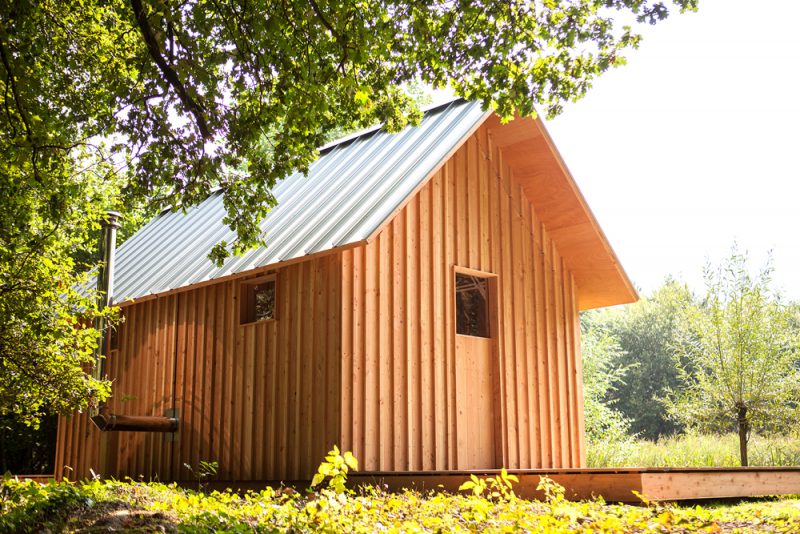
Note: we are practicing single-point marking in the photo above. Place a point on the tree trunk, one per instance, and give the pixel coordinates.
(744, 427)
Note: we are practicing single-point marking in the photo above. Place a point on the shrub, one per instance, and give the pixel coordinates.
(27, 506)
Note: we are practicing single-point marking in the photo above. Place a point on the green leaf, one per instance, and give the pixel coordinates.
(350, 460)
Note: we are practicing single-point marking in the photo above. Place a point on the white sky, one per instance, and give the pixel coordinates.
(694, 144)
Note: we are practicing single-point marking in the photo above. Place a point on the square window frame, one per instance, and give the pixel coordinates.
(245, 285)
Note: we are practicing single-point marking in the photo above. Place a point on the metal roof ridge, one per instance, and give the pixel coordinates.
(324, 148)
(372, 129)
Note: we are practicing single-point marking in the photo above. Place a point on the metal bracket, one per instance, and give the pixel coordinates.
(173, 437)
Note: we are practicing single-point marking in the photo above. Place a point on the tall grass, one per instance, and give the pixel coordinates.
(699, 450)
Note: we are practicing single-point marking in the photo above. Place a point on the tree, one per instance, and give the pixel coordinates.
(648, 335)
(122, 102)
(740, 368)
(607, 430)
(189, 93)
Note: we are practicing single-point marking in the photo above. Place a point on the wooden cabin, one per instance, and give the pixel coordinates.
(417, 303)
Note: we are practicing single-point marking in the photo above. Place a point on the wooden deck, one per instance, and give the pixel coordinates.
(618, 484)
(613, 484)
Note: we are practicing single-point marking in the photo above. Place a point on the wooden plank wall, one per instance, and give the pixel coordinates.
(77, 447)
(398, 336)
(261, 399)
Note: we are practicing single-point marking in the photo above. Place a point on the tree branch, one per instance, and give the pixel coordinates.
(14, 91)
(324, 21)
(167, 71)
(336, 35)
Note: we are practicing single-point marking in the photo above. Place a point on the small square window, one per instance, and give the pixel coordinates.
(472, 305)
(258, 300)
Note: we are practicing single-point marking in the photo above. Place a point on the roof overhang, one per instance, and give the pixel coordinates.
(536, 164)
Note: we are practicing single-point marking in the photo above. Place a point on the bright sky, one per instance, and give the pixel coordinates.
(694, 144)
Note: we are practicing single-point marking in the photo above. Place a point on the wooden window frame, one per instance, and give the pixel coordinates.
(244, 303)
(114, 336)
(491, 301)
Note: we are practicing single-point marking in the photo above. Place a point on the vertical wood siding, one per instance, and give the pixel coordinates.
(363, 351)
(398, 332)
(261, 399)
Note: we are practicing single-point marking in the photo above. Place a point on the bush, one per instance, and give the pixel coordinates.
(27, 506)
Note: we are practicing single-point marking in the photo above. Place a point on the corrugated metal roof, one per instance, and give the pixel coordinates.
(349, 192)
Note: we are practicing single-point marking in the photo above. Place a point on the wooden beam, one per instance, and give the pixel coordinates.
(719, 484)
(614, 484)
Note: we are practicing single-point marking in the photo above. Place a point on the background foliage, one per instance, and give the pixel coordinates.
(647, 335)
(683, 366)
(608, 432)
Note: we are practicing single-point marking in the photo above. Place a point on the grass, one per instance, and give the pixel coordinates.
(137, 507)
(697, 450)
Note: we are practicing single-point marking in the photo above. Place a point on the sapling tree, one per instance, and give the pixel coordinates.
(739, 360)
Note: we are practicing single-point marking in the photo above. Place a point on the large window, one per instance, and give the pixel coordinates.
(472, 305)
(258, 300)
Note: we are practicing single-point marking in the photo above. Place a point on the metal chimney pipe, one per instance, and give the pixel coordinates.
(105, 289)
(100, 415)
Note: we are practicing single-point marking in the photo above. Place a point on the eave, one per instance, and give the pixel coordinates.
(536, 163)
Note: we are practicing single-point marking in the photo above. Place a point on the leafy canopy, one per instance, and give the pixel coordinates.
(116, 104)
(193, 92)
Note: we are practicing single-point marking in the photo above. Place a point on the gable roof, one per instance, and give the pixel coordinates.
(356, 185)
(349, 191)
